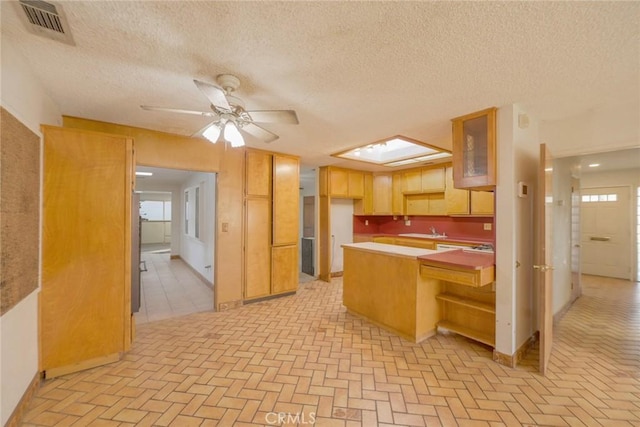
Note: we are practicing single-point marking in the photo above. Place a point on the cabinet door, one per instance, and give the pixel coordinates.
(368, 194)
(338, 182)
(258, 173)
(432, 179)
(284, 272)
(257, 248)
(356, 184)
(286, 207)
(382, 194)
(85, 298)
(474, 150)
(457, 199)
(482, 203)
(397, 198)
(412, 181)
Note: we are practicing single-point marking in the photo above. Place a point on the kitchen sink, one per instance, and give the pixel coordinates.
(424, 236)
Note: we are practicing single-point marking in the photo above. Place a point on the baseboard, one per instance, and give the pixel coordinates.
(560, 314)
(196, 272)
(230, 305)
(82, 366)
(337, 274)
(512, 360)
(16, 416)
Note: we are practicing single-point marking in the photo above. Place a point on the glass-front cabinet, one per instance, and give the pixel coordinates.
(474, 150)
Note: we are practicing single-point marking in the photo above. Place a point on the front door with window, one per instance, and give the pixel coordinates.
(605, 228)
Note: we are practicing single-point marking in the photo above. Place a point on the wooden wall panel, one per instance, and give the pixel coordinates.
(20, 210)
(165, 150)
(85, 295)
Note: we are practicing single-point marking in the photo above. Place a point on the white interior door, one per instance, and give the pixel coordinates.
(606, 232)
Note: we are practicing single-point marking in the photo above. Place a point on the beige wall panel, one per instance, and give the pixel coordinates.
(258, 172)
(284, 273)
(258, 248)
(286, 205)
(85, 246)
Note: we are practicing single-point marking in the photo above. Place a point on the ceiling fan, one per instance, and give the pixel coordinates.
(229, 118)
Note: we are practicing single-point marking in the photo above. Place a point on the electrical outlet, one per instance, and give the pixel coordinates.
(225, 227)
(487, 226)
(407, 222)
(366, 222)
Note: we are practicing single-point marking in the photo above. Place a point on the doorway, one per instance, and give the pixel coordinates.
(177, 240)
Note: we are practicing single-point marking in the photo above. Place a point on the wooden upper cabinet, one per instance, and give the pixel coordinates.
(457, 199)
(397, 198)
(382, 194)
(424, 180)
(338, 182)
(342, 183)
(474, 150)
(258, 173)
(356, 184)
(285, 200)
(482, 203)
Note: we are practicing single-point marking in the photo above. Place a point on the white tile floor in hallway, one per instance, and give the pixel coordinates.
(169, 288)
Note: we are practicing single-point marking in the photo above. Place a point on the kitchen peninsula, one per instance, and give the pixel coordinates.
(412, 291)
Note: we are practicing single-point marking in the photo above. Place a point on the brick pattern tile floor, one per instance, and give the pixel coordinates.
(306, 355)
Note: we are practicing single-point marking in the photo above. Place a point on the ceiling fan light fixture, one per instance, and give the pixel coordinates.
(232, 135)
(212, 133)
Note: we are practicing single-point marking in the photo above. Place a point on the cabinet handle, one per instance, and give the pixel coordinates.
(600, 239)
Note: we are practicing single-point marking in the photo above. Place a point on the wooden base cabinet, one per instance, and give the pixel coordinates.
(284, 269)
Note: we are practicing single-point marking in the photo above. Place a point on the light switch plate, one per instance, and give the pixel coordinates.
(487, 226)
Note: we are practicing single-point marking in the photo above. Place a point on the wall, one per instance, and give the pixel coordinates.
(341, 230)
(198, 252)
(471, 228)
(597, 130)
(517, 152)
(561, 256)
(26, 99)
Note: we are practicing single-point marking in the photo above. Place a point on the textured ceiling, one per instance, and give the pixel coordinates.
(355, 72)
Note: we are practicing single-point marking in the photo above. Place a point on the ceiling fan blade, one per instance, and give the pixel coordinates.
(274, 116)
(214, 94)
(178, 110)
(259, 132)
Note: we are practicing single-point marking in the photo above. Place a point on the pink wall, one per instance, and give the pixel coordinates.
(466, 228)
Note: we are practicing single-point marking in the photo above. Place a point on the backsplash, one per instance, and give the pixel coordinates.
(471, 228)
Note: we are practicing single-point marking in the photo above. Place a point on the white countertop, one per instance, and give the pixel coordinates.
(397, 250)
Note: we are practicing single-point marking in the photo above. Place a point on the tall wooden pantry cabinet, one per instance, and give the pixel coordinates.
(271, 224)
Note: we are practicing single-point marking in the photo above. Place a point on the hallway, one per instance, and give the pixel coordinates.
(304, 354)
(169, 288)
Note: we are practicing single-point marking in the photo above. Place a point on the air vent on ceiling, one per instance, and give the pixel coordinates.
(46, 19)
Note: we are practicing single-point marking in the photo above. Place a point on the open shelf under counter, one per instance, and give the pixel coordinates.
(468, 302)
(480, 336)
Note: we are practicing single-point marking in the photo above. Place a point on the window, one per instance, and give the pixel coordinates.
(588, 198)
(155, 210)
(193, 210)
